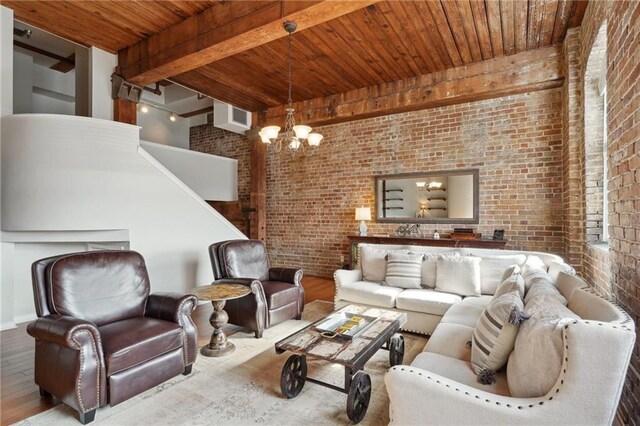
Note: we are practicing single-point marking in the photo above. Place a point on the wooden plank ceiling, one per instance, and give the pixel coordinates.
(383, 42)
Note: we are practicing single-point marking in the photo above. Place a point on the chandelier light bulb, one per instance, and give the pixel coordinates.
(263, 137)
(270, 132)
(314, 139)
(294, 144)
(301, 131)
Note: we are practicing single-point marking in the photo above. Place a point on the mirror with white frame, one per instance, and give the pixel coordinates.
(449, 196)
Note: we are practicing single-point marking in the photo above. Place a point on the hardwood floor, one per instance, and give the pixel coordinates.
(19, 397)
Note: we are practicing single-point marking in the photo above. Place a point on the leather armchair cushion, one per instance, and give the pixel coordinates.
(244, 259)
(279, 294)
(100, 287)
(134, 341)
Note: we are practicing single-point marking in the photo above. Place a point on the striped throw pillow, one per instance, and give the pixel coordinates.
(495, 334)
(404, 270)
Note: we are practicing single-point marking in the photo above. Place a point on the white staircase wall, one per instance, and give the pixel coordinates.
(66, 173)
(210, 176)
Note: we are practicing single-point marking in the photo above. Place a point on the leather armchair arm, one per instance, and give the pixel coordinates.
(63, 330)
(176, 308)
(286, 275)
(170, 306)
(253, 284)
(71, 348)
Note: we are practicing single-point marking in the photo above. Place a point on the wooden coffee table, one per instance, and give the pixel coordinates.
(218, 294)
(351, 353)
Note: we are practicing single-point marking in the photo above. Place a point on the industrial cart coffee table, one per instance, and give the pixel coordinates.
(351, 346)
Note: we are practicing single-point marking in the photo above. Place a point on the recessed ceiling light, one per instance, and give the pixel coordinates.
(172, 117)
(144, 109)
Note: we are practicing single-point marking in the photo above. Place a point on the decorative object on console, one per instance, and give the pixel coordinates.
(464, 234)
(362, 214)
(409, 230)
(294, 135)
(436, 236)
(498, 234)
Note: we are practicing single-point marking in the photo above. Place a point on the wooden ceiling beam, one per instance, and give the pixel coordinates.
(520, 73)
(226, 29)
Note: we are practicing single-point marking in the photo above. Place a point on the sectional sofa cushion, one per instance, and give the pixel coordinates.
(403, 270)
(451, 340)
(368, 293)
(459, 371)
(495, 334)
(492, 268)
(429, 267)
(463, 314)
(458, 275)
(480, 301)
(427, 301)
(536, 360)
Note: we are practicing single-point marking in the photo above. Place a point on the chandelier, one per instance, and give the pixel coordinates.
(294, 136)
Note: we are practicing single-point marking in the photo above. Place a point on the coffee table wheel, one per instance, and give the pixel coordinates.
(359, 396)
(396, 349)
(294, 374)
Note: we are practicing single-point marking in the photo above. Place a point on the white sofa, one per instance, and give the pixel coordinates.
(440, 386)
(424, 307)
(595, 358)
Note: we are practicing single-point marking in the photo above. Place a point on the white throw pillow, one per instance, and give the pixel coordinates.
(495, 334)
(458, 275)
(403, 270)
(536, 360)
(429, 266)
(373, 263)
(556, 267)
(492, 268)
(514, 282)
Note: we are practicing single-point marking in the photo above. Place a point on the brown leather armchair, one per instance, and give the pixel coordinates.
(276, 293)
(100, 337)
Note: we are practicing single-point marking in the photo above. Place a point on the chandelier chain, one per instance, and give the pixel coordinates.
(290, 66)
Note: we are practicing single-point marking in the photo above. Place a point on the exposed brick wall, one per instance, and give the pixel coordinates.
(623, 111)
(515, 141)
(573, 152)
(211, 140)
(615, 273)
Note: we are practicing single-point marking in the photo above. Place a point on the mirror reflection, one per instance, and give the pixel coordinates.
(433, 197)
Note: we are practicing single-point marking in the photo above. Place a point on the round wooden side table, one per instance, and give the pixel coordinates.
(218, 294)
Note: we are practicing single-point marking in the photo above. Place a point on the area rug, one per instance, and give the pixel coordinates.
(244, 388)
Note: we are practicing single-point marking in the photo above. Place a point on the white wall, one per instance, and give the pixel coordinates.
(22, 83)
(6, 108)
(6, 61)
(210, 176)
(90, 174)
(156, 127)
(101, 66)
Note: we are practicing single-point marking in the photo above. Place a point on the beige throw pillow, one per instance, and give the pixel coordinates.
(540, 285)
(495, 334)
(536, 360)
(492, 268)
(458, 275)
(514, 282)
(403, 270)
(373, 263)
(429, 267)
(511, 270)
(556, 267)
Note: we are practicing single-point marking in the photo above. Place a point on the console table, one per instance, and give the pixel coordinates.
(354, 240)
